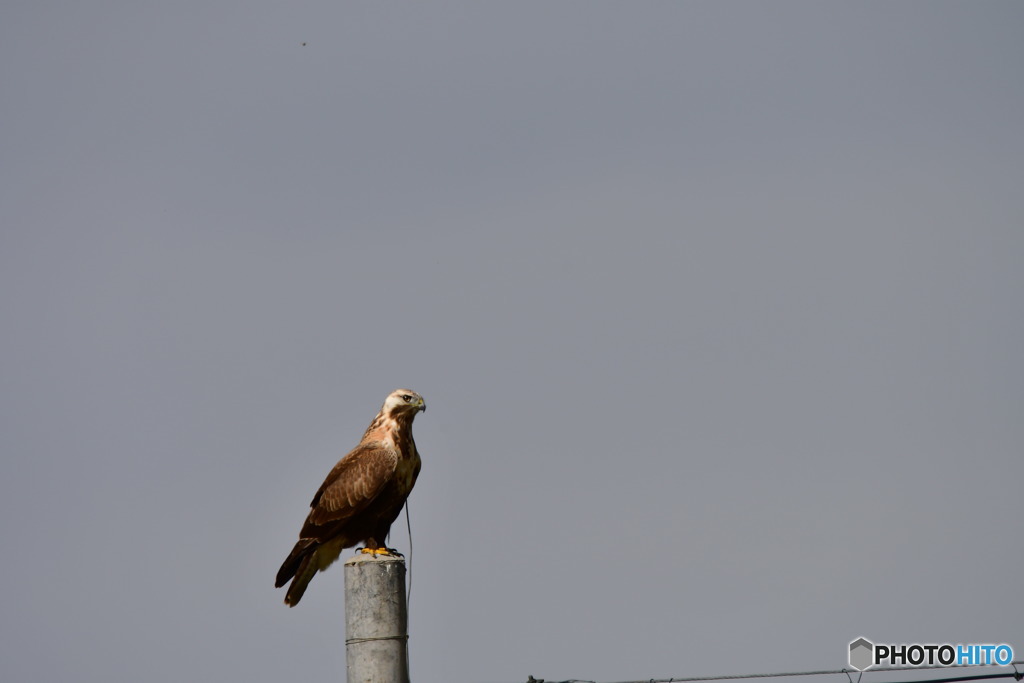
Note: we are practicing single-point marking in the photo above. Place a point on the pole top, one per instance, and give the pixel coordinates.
(360, 558)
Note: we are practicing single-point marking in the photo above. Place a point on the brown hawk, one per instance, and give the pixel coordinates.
(361, 496)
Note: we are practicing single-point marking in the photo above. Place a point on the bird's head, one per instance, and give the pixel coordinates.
(403, 402)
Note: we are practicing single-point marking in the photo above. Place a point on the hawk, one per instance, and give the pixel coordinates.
(361, 496)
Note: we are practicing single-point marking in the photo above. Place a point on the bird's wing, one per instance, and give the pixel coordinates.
(353, 483)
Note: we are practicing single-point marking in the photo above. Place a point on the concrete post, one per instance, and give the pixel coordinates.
(376, 620)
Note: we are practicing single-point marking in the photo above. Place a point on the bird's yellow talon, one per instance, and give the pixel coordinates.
(376, 552)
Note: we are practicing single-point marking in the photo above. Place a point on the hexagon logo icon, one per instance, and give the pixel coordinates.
(862, 653)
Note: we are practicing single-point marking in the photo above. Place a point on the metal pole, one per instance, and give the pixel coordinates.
(376, 620)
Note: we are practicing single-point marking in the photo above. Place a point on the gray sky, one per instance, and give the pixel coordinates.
(716, 308)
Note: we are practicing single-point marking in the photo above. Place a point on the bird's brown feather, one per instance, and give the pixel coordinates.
(353, 484)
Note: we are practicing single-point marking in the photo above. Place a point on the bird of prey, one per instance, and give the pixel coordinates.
(361, 496)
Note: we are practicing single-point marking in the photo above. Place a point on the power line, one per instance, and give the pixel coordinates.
(834, 672)
(974, 678)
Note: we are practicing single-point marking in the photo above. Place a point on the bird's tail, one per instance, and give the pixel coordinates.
(299, 565)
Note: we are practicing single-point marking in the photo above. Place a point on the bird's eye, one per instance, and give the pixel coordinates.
(406, 397)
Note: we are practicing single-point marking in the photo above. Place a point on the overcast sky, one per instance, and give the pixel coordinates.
(716, 307)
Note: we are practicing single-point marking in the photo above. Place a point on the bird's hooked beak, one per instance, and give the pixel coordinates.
(422, 405)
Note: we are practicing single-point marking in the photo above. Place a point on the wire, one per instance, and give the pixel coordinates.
(408, 527)
(408, 593)
(971, 678)
(699, 679)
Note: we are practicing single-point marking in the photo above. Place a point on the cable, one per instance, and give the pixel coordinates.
(700, 679)
(968, 678)
(408, 594)
(408, 527)
(824, 673)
